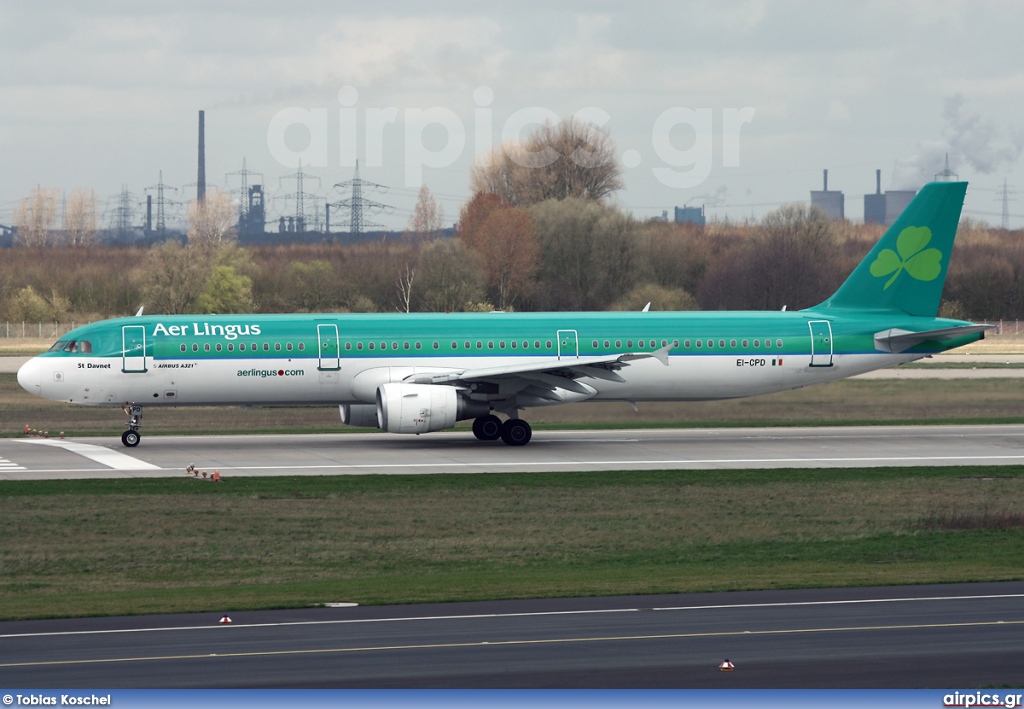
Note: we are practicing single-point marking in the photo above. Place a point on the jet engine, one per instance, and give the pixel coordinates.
(421, 408)
(361, 415)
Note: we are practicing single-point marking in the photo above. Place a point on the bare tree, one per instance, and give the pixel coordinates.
(34, 217)
(80, 218)
(212, 221)
(570, 158)
(427, 218)
(510, 253)
(406, 277)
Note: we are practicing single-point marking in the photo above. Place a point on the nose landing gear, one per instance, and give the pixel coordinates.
(131, 437)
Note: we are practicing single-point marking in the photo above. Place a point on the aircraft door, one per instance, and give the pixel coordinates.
(330, 349)
(133, 349)
(821, 343)
(568, 344)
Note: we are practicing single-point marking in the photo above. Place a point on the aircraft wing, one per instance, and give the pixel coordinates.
(546, 375)
(896, 340)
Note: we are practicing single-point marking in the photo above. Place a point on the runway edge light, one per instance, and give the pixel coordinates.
(726, 666)
(225, 621)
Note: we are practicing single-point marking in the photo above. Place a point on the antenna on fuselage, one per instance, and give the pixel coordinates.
(139, 314)
(647, 308)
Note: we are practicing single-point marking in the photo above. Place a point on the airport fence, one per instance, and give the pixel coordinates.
(36, 330)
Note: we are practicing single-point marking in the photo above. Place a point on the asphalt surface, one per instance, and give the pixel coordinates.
(460, 452)
(923, 636)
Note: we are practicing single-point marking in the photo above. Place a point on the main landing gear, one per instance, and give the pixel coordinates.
(131, 437)
(514, 432)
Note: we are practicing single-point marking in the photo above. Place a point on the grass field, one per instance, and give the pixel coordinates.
(141, 546)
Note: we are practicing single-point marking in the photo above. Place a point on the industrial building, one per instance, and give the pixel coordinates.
(831, 202)
(884, 208)
(690, 215)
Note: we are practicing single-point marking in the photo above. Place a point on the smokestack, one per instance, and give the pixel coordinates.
(149, 214)
(201, 180)
(825, 188)
(878, 182)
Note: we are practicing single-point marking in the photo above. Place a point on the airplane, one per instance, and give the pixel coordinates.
(417, 373)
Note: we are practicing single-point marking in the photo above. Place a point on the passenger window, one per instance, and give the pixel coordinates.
(490, 344)
(371, 345)
(501, 345)
(183, 348)
(711, 343)
(418, 345)
(383, 345)
(231, 347)
(469, 345)
(721, 343)
(436, 346)
(289, 346)
(629, 344)
(220, 347)
(405, 344)
(768, 344)
(302, 346)
(757, 343)
(778, 343)
(206, 347)
(699, 344)
(513, 344)
(479, 345)
(394, 345)
(277, 346)
(455, 345)
(549, 344)
(675, 343)
(686, 344)
(266, 347)
(195, 347)
(732, 343)
(536, 344)
(526, 344)
(348, 346)
(746, 343)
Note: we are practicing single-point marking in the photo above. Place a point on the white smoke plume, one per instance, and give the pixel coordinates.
(970, 140)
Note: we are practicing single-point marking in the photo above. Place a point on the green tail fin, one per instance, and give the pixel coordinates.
(907, 267)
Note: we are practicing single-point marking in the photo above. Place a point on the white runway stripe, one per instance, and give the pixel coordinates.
(8, 465)
(105, 456)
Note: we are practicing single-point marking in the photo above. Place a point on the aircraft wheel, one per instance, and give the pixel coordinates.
(487, 428)
(130, 438)
(516, 432)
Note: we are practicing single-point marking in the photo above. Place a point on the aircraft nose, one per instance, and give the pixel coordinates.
(30, 376)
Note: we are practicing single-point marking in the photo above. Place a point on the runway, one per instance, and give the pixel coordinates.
(459, 452)
(964, 635)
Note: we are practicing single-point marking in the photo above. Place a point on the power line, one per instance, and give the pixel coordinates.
(356, 204)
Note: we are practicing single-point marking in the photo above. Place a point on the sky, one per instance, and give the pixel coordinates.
(738, 106)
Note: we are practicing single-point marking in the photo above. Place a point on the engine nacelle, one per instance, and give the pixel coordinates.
(421, 408)
(361, 415)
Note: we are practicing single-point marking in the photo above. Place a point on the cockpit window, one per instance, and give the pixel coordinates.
(72, 346)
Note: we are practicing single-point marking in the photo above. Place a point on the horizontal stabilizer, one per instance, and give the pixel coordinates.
(896, 340)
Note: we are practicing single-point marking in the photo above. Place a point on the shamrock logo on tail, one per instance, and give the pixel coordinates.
(922, 264)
